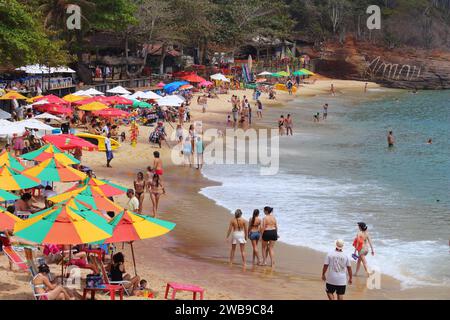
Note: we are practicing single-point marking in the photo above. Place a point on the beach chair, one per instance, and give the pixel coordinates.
(37, 296)
(107, 281)
(13, 256)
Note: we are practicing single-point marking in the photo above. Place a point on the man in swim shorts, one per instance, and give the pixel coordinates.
(338, 265)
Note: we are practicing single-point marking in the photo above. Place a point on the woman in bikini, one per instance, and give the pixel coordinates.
(156, 190)
(269, 236)
(139, 190)
(363, 237)
(238, 229)
(44, 288)
(254, 234)
(281, 123)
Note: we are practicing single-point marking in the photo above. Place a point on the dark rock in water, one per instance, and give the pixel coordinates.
(407, 68)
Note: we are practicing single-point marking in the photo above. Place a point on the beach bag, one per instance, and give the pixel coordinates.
(94, 281)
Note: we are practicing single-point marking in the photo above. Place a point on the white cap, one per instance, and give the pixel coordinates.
(339, 244)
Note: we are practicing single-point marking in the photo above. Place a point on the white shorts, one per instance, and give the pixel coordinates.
(238, 237)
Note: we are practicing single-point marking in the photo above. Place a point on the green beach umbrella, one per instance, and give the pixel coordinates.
(6, 158)
(6, 196)
(53, 170)
(309, 73)
(300, 73)
(283, 74)
(11, 179)
(67, 223)
(141, 104)
(50, 151)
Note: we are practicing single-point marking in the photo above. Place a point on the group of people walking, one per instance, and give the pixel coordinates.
(257, 229)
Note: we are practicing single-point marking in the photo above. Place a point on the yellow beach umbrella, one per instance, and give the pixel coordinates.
(93, 106)
(74, 98)
(11, 95)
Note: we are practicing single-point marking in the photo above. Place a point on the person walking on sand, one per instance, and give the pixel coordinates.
(338, 265)
(199, 148)
(288, 123)
(254, 234)
(365, 87)
(391, 139)
(108, 149)
(156, 189)
(361, 244)
(281, 125)
(325, 111)
(260, 109)
(332, 90)
(270, 235)
(187, 151)
(238, 230)
(139, 190)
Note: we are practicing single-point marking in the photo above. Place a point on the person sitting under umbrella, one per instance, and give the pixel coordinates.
(24, 204)
(43, 287)
(118, 273)
(79, 258)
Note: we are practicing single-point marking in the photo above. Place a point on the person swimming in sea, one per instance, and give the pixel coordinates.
(391, 139)
(430, 141)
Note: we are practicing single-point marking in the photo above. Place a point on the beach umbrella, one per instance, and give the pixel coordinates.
(49, 151)
(119, 100)
(54, 109)
(129, 227)
(93, 106)
(48, 116)
(310, 73)
(67, 223)
(8, 220)
(161, 85)
(34, 99)
(171, 87)
(80, 93)
(193, 78)
(142, 104)
(283, 74)
(69, 141)
(54, 171)
(299, 73)
(171, 101)
(51, 98)
(261, 80)
(6, 158)
(219, 77)
(11, 179)
(91, 196)
(7, 196)
(265, 73)
(74, 98)
(13, 95)
(186, 87)
(92, 92)
(118, 90)
(106, 187)
(5, 115)
(148, 95)
(34, 124)
(111, 113)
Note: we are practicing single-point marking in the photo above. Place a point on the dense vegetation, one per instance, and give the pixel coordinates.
(33, 31)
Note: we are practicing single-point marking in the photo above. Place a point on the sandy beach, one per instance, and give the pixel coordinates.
(196, 251)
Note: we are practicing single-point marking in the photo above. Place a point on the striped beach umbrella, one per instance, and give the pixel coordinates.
(6, 196)
(129, 226)
(108, 188)
(13, 95)
(7, 220)
(49, 151)
(11, 179)
(55, 171)
(64, 224)
(90, 196)
(6, 158)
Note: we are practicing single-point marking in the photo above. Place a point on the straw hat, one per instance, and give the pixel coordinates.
(339, 244)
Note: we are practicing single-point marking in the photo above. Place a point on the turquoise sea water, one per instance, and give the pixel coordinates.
(339, 172)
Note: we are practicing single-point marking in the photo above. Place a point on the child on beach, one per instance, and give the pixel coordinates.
(187, 151)
(143, 291)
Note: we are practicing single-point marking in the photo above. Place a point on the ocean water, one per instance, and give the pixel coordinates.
(337, 173)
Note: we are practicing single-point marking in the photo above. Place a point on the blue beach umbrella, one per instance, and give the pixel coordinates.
(171, 87)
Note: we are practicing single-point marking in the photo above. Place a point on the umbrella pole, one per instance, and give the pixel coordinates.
(134, 260)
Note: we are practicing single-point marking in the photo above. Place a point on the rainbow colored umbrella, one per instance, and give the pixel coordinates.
(55, 171)
(49, 151)
(129, 226)
(7, 220)
(6, 196)
(6, 158)
(68, 223)
(91, 196)
(107, 188)
(11, 179)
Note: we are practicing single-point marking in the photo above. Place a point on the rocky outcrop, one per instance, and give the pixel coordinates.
(399, 68)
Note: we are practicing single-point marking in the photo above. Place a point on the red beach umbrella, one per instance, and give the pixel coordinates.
(111, 113)
(69, 141)
(194, 78)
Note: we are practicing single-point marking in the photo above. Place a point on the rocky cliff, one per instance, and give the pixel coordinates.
(398, 68)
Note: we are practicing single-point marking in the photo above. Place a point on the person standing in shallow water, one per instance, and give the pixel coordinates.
(288, 123)
(391, 139)
(362, 243)
(269, 228)
(238, 231)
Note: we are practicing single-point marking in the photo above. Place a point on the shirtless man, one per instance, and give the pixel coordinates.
(157, 164)
(391, 139)
(181, 112)
(288, 125)
(281, 124)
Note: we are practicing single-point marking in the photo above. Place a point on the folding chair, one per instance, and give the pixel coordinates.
(106, 279)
